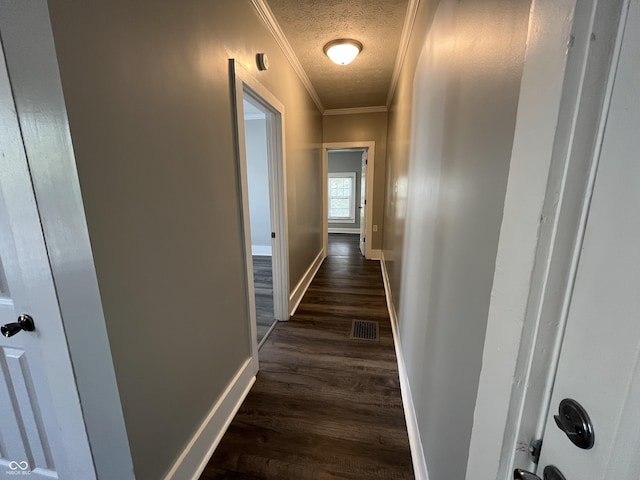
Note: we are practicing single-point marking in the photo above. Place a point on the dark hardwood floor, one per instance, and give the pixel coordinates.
(263, 286)
(324, 406)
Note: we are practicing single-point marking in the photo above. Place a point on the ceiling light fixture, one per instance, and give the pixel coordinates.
(342, 51)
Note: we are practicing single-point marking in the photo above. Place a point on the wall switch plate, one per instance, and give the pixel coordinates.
(375, 228)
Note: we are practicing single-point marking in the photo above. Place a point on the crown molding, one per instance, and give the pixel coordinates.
(407, 28)
(267, 16)
(352, 111)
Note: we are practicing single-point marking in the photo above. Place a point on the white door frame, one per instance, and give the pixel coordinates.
(559, 127)
(28, 45)
(244, 84)
(370, 146)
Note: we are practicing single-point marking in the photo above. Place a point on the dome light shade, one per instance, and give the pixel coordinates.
(342, 51)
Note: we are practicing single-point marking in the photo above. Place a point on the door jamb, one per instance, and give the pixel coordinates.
(243, 83)
(370, 146)
(530, 312)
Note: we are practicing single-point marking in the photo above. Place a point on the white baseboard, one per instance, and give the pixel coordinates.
(261, 250)
(417, 452)
(296, 296)
(376, 254)
(193, 459)
(354, 231)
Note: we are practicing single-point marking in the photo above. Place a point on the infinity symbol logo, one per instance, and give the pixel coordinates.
(18, 465)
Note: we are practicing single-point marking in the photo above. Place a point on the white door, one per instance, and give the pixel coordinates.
(599, 364)
(363, 202)
(42, 433)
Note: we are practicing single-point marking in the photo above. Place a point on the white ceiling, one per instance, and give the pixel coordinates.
(309, 24)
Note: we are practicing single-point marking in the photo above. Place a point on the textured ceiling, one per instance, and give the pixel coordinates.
(377, 24)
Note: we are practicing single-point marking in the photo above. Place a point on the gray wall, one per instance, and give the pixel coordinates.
(149, 104)
(258, 179)
(444, 207)
(340, 162)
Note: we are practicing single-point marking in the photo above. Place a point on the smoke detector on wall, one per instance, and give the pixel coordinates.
(262, 61)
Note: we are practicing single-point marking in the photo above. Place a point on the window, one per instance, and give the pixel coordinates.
(342, 193)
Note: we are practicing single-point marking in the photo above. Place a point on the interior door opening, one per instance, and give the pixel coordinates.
(346, 195)
(348, 192)
(262, 185)
(255, 127)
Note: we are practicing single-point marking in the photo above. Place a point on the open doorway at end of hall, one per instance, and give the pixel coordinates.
(346, 195)
(255, 124)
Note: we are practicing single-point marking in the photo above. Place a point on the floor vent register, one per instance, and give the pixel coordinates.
(364, 330)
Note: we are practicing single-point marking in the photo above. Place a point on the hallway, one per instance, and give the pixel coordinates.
(324, 405)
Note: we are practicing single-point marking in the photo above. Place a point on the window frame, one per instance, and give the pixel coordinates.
(352, 203)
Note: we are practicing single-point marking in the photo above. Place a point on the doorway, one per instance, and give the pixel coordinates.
(346, 199)
(348, 192)
(261, 166)
(255, 127)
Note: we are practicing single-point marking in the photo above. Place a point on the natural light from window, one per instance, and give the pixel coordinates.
(342, 193)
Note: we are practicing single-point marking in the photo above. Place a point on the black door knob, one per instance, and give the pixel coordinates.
(519, 474)
(25, 322)
(574, 421)
(551, 472)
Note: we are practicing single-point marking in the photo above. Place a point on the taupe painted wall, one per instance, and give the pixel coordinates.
(364, 127)
(444, 208)
(398, 148)
(149, 104)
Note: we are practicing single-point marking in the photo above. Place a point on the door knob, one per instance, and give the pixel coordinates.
(25, 322)
(524, 475)
(551, 472)
(574, 421)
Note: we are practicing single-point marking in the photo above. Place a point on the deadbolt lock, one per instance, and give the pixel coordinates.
(574, 421)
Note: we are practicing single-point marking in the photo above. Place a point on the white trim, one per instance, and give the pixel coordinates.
(301, 288)
(325, 208)
(376, 254)
(415, 443)
(244, 84)
(354, 231)
(261, 250)
(274, 27)
(193, 459)
(407, 29)
(348, 150)
(356, 110)
(266, 335)
(540, 231)
(370, 147)
(585, 100)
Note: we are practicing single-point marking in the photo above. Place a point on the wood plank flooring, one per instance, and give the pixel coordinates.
(324, 406)
(263, 286)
